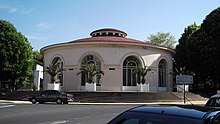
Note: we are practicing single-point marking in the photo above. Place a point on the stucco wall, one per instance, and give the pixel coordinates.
(110, 57)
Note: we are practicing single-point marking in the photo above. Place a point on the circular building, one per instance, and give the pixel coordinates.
(117, 56)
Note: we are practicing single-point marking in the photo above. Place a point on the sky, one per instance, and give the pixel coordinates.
(46, 22)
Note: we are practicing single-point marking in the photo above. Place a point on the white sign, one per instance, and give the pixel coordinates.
(184, 79)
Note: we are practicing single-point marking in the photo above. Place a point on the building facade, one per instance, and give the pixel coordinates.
(117, 56)
(37, 76)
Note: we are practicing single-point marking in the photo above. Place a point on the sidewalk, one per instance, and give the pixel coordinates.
(97, 98)
(81, 103)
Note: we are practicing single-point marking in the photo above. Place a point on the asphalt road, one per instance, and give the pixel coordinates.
(58, 114)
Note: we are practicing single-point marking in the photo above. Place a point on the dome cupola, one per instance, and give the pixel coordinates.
(108, 32)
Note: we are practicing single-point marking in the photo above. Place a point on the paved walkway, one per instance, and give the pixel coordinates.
(78, 103)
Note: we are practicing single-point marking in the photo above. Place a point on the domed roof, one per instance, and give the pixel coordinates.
(107, 35)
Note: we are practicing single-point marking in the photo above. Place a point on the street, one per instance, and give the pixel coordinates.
(51, 113)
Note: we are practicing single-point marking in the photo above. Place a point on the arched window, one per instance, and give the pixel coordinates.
(162, 73)
(91, 59)
(130, 79)
(60, 76)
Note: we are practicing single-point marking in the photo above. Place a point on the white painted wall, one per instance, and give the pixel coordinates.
(111, 56)
(38, 74)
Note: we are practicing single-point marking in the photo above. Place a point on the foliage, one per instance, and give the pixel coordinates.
(210, 45)
(164, 39)
(90, 71)
(143, 71)
(53, 70)
(38, 56)
(184, 48)
(15, 57)
(198, 49)
(183, 71)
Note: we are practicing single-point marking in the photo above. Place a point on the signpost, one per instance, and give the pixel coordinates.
(184, 79)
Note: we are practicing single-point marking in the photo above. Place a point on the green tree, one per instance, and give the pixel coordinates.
(53, 70)
(38, 56)
(164, 39)
(194, 58)
(143, 71)
(198, 49)
(15, 57)
(209, 48)
(182, 57)
(90, 71)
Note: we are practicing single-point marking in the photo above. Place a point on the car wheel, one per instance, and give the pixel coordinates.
(59, 101)
(34, 100)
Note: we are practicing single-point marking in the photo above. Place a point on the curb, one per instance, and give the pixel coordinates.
(14, 101)
(80, 103)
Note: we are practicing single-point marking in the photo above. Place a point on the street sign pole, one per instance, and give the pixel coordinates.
(184, 97)
(184, 80)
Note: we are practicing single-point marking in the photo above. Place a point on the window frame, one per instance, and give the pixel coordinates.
(162, 73)
(129, 64)
(91, 59)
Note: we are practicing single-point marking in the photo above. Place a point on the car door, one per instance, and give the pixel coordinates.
(54, 94)
(43, 96)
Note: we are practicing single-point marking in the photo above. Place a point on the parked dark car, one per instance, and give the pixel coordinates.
(51, 96)
(168, 114)
(214, 101)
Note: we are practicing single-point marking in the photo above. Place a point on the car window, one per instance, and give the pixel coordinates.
(130, 121)
(127, 118)
(62, 92)
(154, 121)
(213, 102)
(54, 92)
(151, 118)
(44, 92)
(172, 119)
(217, 102)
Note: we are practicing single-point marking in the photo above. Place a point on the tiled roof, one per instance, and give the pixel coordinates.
(107, 35)
(106, 39)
